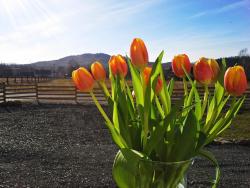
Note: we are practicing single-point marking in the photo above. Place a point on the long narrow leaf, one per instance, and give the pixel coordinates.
(208, 155)
(137, 85)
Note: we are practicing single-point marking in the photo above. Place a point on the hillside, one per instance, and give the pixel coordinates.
(82, 60)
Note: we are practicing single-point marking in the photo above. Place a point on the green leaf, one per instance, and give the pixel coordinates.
(171, 87)
(219, 92)
(129, 93)
(190, 97)
(147, 110)
(115, 95)
(159, 107)
(216, 104)
(158, 133)
(125, 167)
(116, 136)
(113, 83)
(149, 92)
(201, 140)
(212, 112)
(198, 108)
(223, 68)
(225, 121)
(232, 115)
(137, 85)
(115, 117)
(187, 139)
(169, 132)
(164, 94)
(208, 155)
(123, 113)
(221, 106)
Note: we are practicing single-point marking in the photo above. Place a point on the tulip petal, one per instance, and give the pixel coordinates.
(235, 80)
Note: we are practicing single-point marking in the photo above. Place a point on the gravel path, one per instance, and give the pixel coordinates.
(68, 146)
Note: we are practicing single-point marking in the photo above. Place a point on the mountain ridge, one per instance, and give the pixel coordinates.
(82, 60)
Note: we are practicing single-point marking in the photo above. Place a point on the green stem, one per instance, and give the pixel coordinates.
(143, 83)
(104, 88)
(205, 100)
(165, 107)
(159, 107)
(185, 91)
(100, 108)
(145, 126)
(145, 114)
(123, 84)
(185, 86)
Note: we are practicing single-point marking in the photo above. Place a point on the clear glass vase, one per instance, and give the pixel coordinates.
(156, 174)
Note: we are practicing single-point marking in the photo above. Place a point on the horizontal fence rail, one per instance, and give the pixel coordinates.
(52, 92)
(25, 79)
(2, 93)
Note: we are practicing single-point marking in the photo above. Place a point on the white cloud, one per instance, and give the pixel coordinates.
(226, 8)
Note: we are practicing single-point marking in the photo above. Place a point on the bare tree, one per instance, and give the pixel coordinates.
(243, 52)
(72, 65)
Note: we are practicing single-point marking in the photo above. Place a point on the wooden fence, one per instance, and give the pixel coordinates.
(45, 92)
(42, 92)
(24, 79)
(2, 93)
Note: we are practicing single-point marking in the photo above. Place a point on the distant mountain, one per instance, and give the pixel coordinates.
(82, 60)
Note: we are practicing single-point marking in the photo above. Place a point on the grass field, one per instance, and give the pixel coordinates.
(240, 128)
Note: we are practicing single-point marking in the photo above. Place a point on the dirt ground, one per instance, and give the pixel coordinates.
(69, 146)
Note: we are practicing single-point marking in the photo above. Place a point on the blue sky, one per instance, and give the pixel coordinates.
(34, 30)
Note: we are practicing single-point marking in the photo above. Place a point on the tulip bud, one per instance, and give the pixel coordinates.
(83, 79)
(235, 80)
(118, 66)
(146, 74)
(138, 53)
(159, 85)
(215, 68)
(206, 71)
(98, 71)
(178, 63)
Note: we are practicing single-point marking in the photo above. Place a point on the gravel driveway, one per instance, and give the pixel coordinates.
(69, 146)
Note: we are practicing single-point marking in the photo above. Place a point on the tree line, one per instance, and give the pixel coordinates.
(14, 70)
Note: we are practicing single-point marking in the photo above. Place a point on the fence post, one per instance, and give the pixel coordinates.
(36, 86)
(4, 92)
(76, 94)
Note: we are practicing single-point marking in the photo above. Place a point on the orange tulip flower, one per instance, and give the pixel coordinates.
(206, 71)
(118, 66)
(235, 80)
(98, 71)
(138, 53)
(83, 79)
(146, 74)
(178, 63)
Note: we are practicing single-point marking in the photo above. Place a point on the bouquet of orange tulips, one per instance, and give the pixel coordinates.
(148, 127)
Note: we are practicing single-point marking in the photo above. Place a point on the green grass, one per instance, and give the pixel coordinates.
(240, 128)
